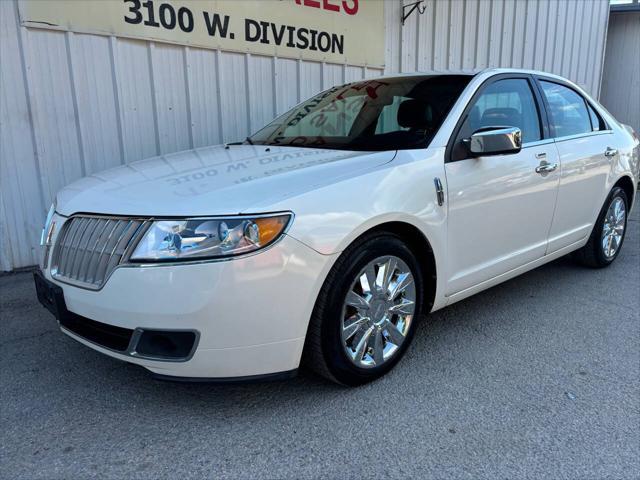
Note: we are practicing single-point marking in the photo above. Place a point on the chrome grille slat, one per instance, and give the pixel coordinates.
(90, 247)
(67, 235)
(93, 241)
(85, 249)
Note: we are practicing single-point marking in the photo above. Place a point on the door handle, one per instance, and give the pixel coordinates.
(610, 152)
(546, 167)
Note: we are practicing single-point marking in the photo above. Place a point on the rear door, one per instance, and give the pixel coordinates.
(584, 145)
(500, 208)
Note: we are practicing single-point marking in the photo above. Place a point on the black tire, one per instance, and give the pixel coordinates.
(592, 254)
(324, 352)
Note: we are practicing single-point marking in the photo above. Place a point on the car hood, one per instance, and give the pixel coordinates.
(215, 180)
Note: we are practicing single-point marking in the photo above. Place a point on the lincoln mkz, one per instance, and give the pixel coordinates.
(326, 236)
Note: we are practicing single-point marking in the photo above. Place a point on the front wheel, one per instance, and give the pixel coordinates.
(366, 314)
(608, 233)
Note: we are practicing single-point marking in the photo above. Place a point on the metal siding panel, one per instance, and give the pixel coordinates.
(393, 35)
(332, 75)
(456, 23)
(441, 36)
(482, 34)
(353, 74)
(621, 79)
(203, 96)
(470, 34)
(508, 23)
(408, 46)
(310, 79)
(425, 38)
(260, 79)
(171, 98)
(541, 37)
(96, 102)
(134, 82)
(234, 100)
(286, 77)
(552, 31)
(54, 120)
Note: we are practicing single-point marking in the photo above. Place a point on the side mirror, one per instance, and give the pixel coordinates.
(494, 141)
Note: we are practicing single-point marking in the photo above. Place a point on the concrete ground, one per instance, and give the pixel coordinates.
(536, 378)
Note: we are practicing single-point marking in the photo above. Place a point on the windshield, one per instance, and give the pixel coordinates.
(388, 114)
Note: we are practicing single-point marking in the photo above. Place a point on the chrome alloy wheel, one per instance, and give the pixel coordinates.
(613, 229)
(378, 311)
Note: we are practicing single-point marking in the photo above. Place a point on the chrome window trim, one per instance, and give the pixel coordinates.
(582, 135)
(544, 141)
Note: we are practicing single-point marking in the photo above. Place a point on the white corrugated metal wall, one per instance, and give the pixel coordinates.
(74, 104)
(621, 79)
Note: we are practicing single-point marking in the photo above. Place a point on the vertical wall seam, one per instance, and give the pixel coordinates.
(68, 37)
(154, 97)
(463, 32)
(555, 37)
(513, 32)
(247, 91)
(219, 96)
(298, 80)
(475, 45)
(117, 97)
(433, 37)
(416, 55)
(187, 85)
(274, 85)
(604, 48)
(502, 30)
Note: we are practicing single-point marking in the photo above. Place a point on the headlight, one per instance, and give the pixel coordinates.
(49, 227)
(200, 238)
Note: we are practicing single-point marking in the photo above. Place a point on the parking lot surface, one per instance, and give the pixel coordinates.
(536, 378)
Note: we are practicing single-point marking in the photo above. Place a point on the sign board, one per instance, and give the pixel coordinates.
(338, 31)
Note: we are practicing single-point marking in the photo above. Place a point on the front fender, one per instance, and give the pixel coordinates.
(330, 218)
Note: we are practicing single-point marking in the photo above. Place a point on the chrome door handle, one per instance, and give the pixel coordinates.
(610, 152)
(546, 167)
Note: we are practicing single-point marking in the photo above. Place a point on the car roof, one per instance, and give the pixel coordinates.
(472, 72)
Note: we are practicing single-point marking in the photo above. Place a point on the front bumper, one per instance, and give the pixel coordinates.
(250, 314)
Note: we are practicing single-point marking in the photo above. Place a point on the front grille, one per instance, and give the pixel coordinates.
(89, 248)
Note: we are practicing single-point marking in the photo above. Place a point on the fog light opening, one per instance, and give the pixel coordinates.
(165, 345)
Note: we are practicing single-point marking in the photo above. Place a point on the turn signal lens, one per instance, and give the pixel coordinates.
(269, 228)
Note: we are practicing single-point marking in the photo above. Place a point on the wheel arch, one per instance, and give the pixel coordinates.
(626, 184)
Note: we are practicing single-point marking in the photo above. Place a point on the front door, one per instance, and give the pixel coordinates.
(500, 207)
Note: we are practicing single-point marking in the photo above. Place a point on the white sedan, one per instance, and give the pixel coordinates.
(328, 234)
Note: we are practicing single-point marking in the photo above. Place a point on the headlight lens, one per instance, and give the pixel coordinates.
(49, 226)
(199, 238)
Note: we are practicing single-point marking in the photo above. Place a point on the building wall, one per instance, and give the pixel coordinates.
(74, 104)
(621, 78)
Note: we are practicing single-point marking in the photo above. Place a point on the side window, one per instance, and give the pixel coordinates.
(505, 103)
(568, 110)
(596, 120)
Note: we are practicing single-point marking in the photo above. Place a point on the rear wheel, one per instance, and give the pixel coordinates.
(366, 314)
(608, 233)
